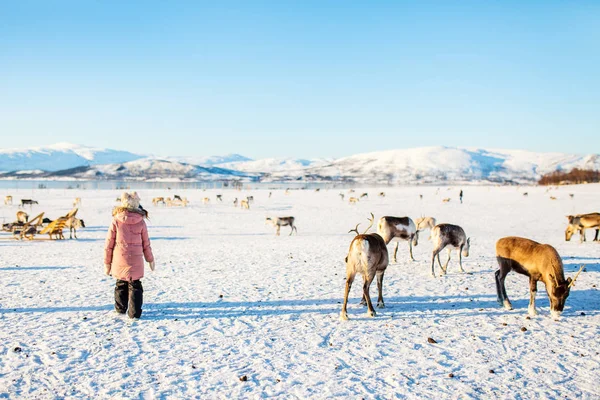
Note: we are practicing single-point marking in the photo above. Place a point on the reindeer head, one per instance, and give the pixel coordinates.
(466, 247)
(415, 239)
(558, 293)
(571, 228)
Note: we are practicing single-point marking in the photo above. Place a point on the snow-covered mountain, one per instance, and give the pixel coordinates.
(59, 157)
(439, 165)
(274, 165)
(211, 160)
(424, 165)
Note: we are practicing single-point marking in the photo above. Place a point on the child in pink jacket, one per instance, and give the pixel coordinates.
(127, 245)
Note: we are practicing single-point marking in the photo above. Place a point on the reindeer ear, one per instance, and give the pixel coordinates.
(469, 240)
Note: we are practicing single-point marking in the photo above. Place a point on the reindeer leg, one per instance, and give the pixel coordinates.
(460, 259)
(532, 292)
(436, 252)
(447, 261)
(366, 285)
(500, 278)
(380, 303)
(410, 249)
(596, 237)
(396, 252)
(344, 313)
(278, 229)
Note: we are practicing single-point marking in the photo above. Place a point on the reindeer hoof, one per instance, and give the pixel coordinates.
(371, 314)
(532, 312)
(507, 305)
(380, 305)
(343, 316)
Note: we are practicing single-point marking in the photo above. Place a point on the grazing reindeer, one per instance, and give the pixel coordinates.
(571, 195)
(420, 197)
(250, 199)
(525, 194)
(552, 198)
(446, 200)
(425, 223)
(177, 197)
(342, 196)
(22, 217)
(219, 198)
(367, 256)
(25, 202)
(74, 223)
(8, 200)
(235, 202)
(270, 194)
(317, 190)
(282, 221)
(444, 235)
(381, 194)
(77, 202)
(403, 228)
(157, 200)
(245, 204)
(206, 200)
(540, 262)
(364, 195)
(580, 223)
(353, 200)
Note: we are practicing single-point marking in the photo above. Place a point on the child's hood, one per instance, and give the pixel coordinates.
(129, 217)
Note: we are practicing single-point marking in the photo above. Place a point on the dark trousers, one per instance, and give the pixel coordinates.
(129, 294)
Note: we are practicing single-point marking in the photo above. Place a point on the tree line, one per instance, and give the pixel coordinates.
(574, 176)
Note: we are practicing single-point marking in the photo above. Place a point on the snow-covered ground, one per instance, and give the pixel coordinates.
(230, 299)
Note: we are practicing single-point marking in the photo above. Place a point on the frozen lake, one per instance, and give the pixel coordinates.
(230, 299)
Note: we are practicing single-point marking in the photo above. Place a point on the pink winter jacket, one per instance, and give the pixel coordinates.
(127, 244)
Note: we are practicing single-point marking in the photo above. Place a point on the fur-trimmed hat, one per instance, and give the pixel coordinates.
(131, 201)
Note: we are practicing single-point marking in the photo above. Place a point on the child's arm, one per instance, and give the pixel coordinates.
(109, 247)
(146, 245)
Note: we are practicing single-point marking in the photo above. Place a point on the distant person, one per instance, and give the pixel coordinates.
(460, 196)
(127, 245)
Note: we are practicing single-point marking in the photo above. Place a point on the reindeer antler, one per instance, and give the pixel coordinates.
(371, 223)
(354, 230)
(576, 276)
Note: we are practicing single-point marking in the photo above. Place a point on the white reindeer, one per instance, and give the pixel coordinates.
(452, 236)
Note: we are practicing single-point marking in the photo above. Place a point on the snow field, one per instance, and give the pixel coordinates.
(277, 321)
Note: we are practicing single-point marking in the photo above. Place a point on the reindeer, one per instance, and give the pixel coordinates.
(77, 202)
(244, 204)
(25, 202)
(403, 228)
(342, 196)
(446, 200)
(525, 194)
(367, 256)
(571, 195)
(381, 194)
(235, 202)
(552, 198)
(353, 200)
(250, 199)
(540, 262)
(580, 223)
(282, 221)
(364, 195)
(220, 198)
(270, 194)
(8, 200)
(425, 223)
(22, 217)
(157, 200)
(206, 200)
(177, 197)
(317, 190)
(74, 223)
(444, 235)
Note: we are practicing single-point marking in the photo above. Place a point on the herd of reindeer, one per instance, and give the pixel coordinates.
(368, 253)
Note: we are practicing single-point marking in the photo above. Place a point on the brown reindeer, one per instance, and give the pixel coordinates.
(425, 223)
(400, 228)
(8, 200)
(157, 200)
(540, 262)
(367, 256)
(244, 204)
(22, 217)
(580, 223)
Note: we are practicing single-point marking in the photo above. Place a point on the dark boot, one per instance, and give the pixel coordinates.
(121, 296)
(136, 299)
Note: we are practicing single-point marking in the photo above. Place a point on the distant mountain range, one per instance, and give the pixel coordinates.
(424, 165)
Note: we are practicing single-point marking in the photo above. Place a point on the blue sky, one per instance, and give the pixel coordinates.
(300, 78)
